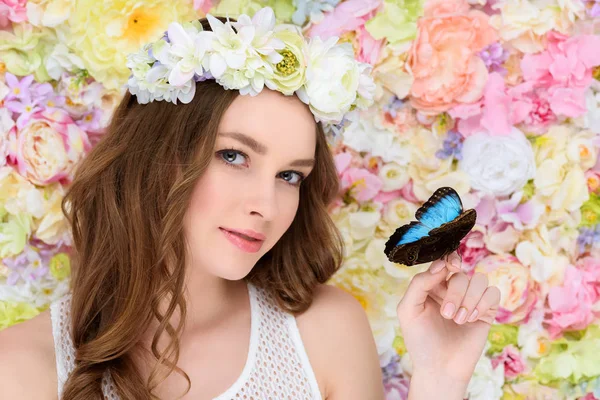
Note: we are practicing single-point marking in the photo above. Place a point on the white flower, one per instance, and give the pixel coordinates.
(498, 165)
(591, 120)
(366, 86)
(62, 59)
(229, 47)
(486, 382)
(185, 54)
(6, 124)
(363, 135)
(533, 339)
(332, 76)
(393, 176)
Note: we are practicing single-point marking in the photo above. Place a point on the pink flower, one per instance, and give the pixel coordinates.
(519, 214)
(359, 183)
(514, 364)
(593, 180)
(362, 184)
(567, 61)
(347, 17)
(572, 304)
(12, 10)
(519, 290)
(203, 5)
(48, 147)
(472, 249)
(444, 59)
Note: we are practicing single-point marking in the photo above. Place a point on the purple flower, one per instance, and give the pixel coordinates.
(452, 146)
(593, 8)
(18, 89)
(393, 106)
(29, 266)
(26, 97)
(394, 382)
(494, 56)
(91, 121)
(588, 237)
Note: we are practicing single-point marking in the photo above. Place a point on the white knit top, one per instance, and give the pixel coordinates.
(277, 366)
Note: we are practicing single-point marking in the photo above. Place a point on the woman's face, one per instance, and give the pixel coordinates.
(264, 148)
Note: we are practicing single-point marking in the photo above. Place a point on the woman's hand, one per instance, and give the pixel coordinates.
(440, 344)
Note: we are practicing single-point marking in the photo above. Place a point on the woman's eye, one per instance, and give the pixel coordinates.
(291, 177)
(231, 156)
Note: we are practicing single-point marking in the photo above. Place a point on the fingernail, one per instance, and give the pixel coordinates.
(461, 316)
(473, 316)
(449, 310)
(436, 268)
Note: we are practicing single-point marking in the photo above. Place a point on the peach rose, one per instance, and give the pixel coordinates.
(444, 58)
(48, 147)
(518, 290)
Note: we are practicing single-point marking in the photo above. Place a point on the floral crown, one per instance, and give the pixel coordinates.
(257, 53)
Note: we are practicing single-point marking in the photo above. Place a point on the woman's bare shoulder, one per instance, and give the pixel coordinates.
(27, 360)
(339, 342)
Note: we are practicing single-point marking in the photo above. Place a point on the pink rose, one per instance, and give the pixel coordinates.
(518, 289)
(472, 249)
(514, 364)
(593, 180)
(48, 147)
(567, 61)
(346, 17)
(12, 11)
(444, 58)
(362, 184)
(572, 304)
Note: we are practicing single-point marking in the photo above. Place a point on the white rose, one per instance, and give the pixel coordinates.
(486, 382)
(363, 223)
(364, 135)
(62, 60)
(399, 212)
(393, 176)
(499, 165)
(6, 124)
(332, 79)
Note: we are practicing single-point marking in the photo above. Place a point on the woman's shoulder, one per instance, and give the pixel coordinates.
(339, 342)
(27, 360)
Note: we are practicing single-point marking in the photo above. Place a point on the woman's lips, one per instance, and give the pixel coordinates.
(243, 242)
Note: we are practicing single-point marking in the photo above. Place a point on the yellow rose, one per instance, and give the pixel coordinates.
(429, 172)
(103, 33)
(518, 290)
(543, 257)
(49, 13)
(290, 72)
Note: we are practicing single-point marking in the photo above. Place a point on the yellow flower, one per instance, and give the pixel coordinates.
(524, 23)
(429, 172)
(48, 12)
(25, 49)
(102, 33)
(60, 266)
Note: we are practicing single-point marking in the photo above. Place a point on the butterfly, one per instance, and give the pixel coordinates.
(441, 224)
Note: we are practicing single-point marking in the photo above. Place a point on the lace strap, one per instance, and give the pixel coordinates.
(60, 313)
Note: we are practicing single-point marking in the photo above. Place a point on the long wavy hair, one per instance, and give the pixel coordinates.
(125, 208)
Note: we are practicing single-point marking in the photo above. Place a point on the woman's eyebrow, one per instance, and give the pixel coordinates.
(261, 149)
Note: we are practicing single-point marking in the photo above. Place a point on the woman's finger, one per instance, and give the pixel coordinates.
(477, 286)
(457, 288)
(416, 294)
(487, 307)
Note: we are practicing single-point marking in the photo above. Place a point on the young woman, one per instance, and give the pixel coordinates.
(203, 244)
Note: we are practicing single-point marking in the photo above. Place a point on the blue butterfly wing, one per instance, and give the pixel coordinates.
(441, 208)
(414, 232)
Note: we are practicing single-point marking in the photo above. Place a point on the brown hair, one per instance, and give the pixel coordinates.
(125, 208)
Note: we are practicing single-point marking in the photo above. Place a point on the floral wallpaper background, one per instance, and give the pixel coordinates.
(499, 99)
